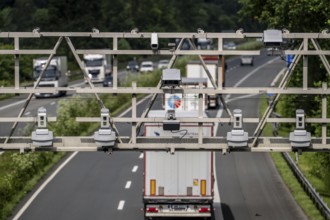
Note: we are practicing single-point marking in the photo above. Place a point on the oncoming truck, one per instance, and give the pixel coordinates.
(97, 66)
(179, 184)
(54, 76)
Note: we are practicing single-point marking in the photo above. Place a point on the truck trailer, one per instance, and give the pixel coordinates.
(195, 69)
(97, 66)
(179, 184)
(54, 76)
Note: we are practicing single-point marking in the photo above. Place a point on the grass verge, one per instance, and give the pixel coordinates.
(288, 177)
(28, 186)
(295, 188)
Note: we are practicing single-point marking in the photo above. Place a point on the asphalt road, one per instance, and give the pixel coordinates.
(102, 186)
(249, 184)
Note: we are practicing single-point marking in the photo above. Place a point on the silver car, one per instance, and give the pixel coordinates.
(247, 60)
(147, 66)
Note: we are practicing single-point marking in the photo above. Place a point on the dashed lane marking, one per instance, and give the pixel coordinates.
(121, 205)
(135, 168)
(128, 184)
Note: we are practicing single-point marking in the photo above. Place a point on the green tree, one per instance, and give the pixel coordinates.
(295, 15)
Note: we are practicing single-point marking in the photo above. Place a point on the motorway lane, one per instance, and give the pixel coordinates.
(248, 183)
(92, 186)
(250, 186)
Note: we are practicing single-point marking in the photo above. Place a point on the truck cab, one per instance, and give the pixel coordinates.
(97, 66)
(54, 76)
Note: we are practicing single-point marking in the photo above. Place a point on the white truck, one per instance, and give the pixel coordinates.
(97, 66)
(195, 69)
(179, 184)
(56, 75)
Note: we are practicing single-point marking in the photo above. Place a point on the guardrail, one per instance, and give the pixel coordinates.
(309, 189)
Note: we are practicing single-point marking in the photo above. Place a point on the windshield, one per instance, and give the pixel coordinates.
(51, 72)
(94, 62)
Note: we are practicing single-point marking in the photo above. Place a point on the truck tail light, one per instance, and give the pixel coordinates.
(203, 210)
(153, 187)
(203, 187)
(152, 209)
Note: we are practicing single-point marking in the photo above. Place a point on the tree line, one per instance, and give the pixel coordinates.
(119, 15)
(107, 16)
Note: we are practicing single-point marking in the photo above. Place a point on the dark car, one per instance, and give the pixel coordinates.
(133, 66)
(107, 81)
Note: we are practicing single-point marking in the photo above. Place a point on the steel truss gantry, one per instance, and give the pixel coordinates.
(256, 142)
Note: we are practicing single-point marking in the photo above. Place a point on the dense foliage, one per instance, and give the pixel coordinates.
(107, 16)
(118, 15)
(295, 15)
(16, 172)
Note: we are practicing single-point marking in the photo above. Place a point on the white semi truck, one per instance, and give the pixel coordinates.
(54, 76)
(195, 69)
(179, 184)
(97, 66)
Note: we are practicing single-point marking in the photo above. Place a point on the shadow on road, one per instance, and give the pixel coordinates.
(226, 212)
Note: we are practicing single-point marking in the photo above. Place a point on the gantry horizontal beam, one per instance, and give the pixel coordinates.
(147, 90)
(29, 52)
(170, 52)
(142, 35)
(160, 120)
(265, 144)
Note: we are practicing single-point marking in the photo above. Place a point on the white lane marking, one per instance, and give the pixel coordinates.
(121, 205)
(27, 113)
(128, 184)
(241, 97)
(232, 68)
(12, 105)
(135, 168)
(216, 198)
(219, 114)
(138, 103)
(141, 156)
(52, 103)
(28, 203)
